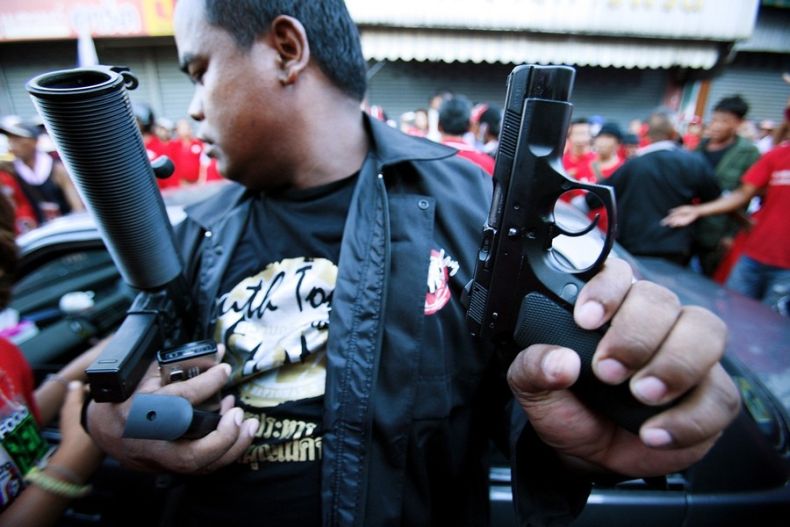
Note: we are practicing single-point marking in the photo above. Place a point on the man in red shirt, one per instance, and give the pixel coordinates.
(454, 118)
(186, 150)
(24, 215)
(154, 146)
(578, 152)
(763, 270)
(606, 146)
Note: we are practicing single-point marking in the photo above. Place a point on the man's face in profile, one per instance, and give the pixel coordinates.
(236, 103)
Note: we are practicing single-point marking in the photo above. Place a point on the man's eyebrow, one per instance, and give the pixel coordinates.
(184, 62)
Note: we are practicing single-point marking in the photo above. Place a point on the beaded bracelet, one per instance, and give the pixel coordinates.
(56, 486)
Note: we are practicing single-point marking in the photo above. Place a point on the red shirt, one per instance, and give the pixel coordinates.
(769, 240)
(484, 161)
(606, 172)
(186, 158)
(579, 167)
(209, 169)
(16, 377)
(24, 215)
(155, 147)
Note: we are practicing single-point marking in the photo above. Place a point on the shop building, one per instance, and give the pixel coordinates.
(631, 56)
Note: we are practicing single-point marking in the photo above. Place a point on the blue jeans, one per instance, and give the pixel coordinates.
(769, 284)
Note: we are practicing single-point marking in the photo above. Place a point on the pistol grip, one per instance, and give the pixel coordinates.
(542, 321)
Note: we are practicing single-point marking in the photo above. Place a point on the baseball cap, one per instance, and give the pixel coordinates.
(611, 129)
(18, 128)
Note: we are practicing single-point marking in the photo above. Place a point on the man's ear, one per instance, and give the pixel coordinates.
(289, 40)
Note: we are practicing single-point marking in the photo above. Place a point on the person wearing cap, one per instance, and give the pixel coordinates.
(606, 146)
(43, 180)
(154, 145)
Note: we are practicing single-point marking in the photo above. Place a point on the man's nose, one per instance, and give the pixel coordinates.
(195, 109)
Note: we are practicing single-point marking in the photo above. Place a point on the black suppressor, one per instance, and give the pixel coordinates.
(89, 116)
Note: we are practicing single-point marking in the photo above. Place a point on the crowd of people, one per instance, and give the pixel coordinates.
(661, 168)
(37, 184)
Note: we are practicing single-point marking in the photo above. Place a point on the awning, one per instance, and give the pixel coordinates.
(516, 48)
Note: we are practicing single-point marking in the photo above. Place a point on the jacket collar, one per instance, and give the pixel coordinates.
(392, 146)
(657, 146)
(388, 145)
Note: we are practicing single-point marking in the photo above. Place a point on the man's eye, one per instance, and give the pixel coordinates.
(196, 76)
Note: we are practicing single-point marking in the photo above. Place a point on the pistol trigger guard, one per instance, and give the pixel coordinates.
(559, 230)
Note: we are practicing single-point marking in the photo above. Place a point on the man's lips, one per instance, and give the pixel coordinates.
(211, 151)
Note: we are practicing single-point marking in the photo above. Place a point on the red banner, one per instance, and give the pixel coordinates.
(66, 19)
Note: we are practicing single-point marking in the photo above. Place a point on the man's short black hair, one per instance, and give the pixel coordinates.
(333, 36)
(454, 115)
(493, 118)
(734, 105)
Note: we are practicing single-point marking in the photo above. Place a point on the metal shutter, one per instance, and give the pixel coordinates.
(616, 94)
(758, 78)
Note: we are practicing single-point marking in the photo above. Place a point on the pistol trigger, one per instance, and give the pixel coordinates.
(559, 230)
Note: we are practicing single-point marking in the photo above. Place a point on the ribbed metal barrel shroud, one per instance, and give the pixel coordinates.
(89, 116)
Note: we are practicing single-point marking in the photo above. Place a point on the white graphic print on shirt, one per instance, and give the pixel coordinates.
(275, 325)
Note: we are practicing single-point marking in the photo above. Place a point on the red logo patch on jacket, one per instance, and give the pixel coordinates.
(441, 268)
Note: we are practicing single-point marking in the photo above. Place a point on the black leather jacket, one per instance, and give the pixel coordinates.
(407, 419)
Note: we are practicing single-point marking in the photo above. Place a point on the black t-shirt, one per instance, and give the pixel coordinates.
(273, 317)
(714, 157)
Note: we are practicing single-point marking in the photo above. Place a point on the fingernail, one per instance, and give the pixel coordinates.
(611, 371)
(553, 364)
(650, 389)
(590, 314)
(238, 417)
(252, 427)
(225, 366)
(656, 437)
(75, 385)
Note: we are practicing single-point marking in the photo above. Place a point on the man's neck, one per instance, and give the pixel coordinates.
(720, 145)
(335, 145)
(579, 151)
(30, 160)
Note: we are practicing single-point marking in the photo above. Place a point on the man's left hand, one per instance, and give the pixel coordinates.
(665, 351)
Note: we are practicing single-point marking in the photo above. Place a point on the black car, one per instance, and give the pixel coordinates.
(742, 481)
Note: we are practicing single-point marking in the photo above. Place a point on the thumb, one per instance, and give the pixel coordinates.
(539, 378)
(542, 369)
(72, 404)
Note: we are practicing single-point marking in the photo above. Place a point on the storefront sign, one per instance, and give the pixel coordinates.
(724, 20)
(66, 19)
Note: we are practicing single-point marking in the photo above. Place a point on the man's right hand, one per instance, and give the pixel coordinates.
(106, 422)
(681, 216)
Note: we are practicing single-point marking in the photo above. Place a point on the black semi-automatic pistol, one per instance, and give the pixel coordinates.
(524, 289)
